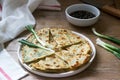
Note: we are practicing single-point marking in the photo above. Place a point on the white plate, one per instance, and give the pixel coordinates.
(63, 74)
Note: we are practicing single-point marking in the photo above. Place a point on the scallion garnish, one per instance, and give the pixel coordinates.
(30, 28)
(115, 40)
(25, 42)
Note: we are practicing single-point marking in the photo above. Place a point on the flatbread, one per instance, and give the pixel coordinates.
(73, 60)
(50, 64)
(82, 48)
(32, 54)
(71, 51)
(44, 35)
(74, 39)
(59, 35)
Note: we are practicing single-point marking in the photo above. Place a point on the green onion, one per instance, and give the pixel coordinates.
(111, 47)
(115, 40)
(30, 28)
(114, 50)
(25, 42)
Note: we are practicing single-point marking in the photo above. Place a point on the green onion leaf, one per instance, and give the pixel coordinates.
(115, 40)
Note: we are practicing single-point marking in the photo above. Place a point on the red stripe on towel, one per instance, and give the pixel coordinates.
(5, 74)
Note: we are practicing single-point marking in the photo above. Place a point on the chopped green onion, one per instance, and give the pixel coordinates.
(30, 28)
(25, 42)
(114, 50)
(115, 40)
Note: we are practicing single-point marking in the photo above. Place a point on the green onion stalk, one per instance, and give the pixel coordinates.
(114, 50)
(25, 42)
(115, 40)
(30, 28)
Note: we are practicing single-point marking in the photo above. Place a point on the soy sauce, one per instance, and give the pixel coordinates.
(82, 14)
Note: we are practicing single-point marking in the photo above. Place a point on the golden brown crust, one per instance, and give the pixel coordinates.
(50, 63)
(71, 51)
(59, 35)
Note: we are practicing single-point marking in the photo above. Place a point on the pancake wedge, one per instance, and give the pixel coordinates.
(44, 35)
(50, 64)
(82, 48)
(59, 35)
(74, 39)
(74, 61)
(47, 38)
(32, 54)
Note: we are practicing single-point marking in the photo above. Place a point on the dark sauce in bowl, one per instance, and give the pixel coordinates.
(82, 14)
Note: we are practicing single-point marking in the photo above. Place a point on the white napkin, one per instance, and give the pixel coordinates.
(9, 69)
(14, 16)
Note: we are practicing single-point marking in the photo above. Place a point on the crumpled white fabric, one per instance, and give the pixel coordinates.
(16, 14)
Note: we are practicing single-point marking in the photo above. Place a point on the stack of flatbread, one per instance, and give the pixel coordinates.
(70, 51)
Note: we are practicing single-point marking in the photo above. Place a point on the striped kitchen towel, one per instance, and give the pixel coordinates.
(9, 69)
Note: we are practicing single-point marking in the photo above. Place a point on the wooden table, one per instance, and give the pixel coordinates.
(105, 65)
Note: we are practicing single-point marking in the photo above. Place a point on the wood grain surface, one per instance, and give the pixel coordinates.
(105, 65)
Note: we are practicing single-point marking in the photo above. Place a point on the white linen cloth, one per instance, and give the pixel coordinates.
(14, 16)
(9, 69)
